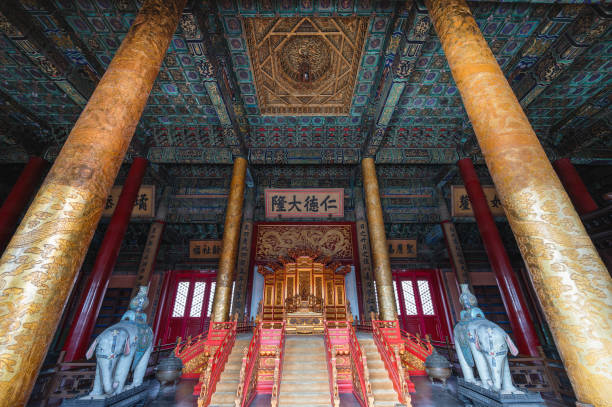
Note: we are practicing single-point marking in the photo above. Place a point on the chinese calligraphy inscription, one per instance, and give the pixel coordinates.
(304, 203)
(461, 206)
(402, 248)
(204, 249)
(144, 206)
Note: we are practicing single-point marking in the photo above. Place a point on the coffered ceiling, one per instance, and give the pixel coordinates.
(310, 86)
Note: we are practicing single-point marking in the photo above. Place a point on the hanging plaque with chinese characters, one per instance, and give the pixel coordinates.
(304, 203)
(204, 249)
(144, 205)
(462, 207)
(402, 248)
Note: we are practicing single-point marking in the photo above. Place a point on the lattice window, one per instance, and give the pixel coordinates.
(198, 299)
(425, 294)
(409, 300)
(211, 297)
(399, 310)
(181, 299)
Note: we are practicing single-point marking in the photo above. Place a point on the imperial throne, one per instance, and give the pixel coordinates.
(304, 290)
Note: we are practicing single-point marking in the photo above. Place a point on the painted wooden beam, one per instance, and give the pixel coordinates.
(27, 35)
(409, 34)
(215, 79)
(590, 25)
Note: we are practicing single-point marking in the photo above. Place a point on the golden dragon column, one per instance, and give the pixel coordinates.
(231, 237)
(38, 268)
(572, 283)
(378, 242)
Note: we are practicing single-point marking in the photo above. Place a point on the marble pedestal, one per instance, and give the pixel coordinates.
(477, 396)
(135, 397)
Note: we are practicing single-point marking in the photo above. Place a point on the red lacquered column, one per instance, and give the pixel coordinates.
(87, 313)
(19, 197)
(514, 301)
(575, 188)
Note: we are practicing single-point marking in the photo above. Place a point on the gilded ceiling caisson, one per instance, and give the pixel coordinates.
(305, 66)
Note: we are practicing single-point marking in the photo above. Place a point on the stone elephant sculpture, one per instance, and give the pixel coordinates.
(121, 348)
(482, 342)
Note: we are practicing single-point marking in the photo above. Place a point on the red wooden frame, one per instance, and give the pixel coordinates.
(167, 296)
(438, 297)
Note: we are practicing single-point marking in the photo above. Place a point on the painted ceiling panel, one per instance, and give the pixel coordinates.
(427, 124)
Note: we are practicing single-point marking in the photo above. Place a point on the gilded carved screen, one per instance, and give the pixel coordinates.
(305, 65)
(273, 241)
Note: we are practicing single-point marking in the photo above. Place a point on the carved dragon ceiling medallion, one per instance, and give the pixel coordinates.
(305, 65)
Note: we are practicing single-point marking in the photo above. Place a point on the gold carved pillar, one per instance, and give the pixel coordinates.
(571, 282)
(39, 266)
(378, 242)
(231, 234)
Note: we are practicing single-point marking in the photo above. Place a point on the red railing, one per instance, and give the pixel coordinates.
(361, 376)
(330, 356)
(216, 364)
(278, 369)
(189, 349)
(248, 371)
(391, 358)
(420, 348)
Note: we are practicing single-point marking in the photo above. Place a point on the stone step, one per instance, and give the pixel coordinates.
(227, 384)
(303, 398)
(385, 395)
(290, 375)
(292, 358)
(225, 390)
(382, 386)
(223, 398)
(298, 386)
(305, 379)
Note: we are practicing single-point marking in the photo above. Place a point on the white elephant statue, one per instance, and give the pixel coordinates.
(483, 343)
(121, 348)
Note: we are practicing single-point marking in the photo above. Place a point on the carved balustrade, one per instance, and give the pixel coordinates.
(278, 369)
(261, 370)
(248, 372)
(194, 353)
(414, 352)
(330, 356)
(210, 375)
(388, 340)
(362, 388)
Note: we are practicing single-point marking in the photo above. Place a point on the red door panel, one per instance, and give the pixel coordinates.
(186, 308)
(420, 306)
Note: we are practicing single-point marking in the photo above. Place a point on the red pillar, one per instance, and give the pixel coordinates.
(87, 312)
(514, 300)
(575, 188)
(19, 197)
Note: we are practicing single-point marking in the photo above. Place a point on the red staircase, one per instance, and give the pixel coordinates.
(403, 354)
